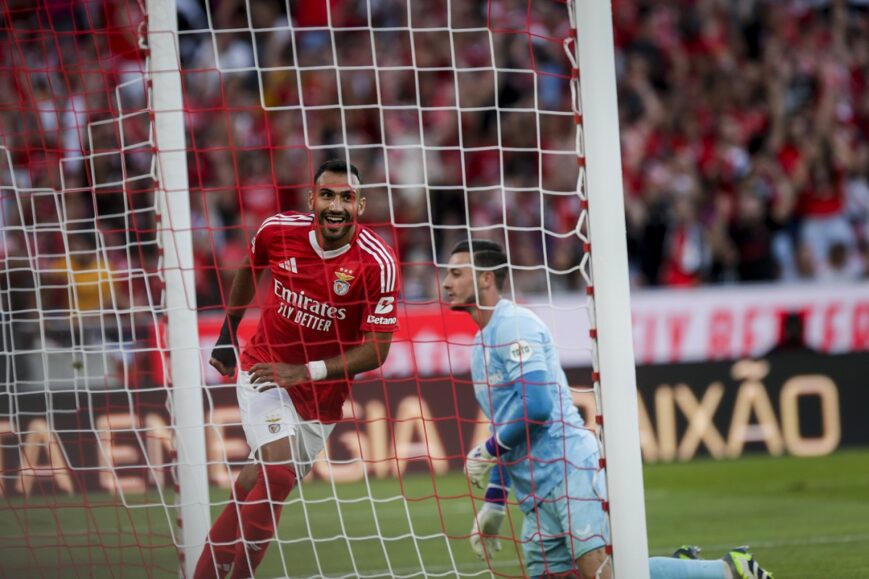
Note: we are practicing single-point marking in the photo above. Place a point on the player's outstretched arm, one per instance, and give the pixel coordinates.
(243, 290)
(368, 355)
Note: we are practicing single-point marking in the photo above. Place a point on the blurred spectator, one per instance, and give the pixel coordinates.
(767, 101)
(84, 277)
(863, 258)
(841, 265)
(763, 207)
(686, 255)
(791, 335)
(745, 130)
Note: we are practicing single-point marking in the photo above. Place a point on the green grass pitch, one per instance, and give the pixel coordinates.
(805, 518)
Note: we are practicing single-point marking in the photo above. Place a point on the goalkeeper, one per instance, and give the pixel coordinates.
(539, 441)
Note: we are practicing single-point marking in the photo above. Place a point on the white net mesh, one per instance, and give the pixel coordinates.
(86, 444)
(464, 120)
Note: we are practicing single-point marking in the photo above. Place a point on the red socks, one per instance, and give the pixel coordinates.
(260, 514)
(260, 510)
(219, 550)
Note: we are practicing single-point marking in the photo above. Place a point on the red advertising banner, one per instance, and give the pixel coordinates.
(669, 326)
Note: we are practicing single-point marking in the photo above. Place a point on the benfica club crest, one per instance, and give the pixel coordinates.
(342, 284)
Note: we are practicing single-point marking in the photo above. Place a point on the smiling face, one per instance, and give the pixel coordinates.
(336, 205)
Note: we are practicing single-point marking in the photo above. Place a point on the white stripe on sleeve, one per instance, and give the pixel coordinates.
(387, 264)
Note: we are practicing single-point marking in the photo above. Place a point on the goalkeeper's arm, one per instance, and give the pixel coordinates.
(487, 523)
(243, 290)
(536, 407)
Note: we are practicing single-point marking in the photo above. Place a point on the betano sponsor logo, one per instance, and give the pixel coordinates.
(380, 320)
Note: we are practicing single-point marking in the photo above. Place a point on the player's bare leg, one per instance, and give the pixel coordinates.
(594, 565)
(248, 475)
(272, 479)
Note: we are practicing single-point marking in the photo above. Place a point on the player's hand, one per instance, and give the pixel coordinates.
(267, 376)
(223, 368)
(484, 533)
(478, 464)
(223, 356)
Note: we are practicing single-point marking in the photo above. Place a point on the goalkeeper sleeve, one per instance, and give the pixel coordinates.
(535, 411)
(536, 407)
(499, 486)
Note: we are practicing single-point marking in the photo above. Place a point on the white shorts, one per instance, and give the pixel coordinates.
(270, 415)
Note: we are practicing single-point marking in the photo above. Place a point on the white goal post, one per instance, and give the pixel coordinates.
(182, 333)
(617, 382)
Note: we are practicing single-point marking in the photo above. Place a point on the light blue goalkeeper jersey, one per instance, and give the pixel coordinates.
(514, 343)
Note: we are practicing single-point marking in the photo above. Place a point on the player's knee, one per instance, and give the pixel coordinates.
(248, 476)
(593, 565)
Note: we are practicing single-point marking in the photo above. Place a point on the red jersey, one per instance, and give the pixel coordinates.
(320, 303)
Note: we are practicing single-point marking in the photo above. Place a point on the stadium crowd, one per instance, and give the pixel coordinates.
(745, 139)
(744, 128)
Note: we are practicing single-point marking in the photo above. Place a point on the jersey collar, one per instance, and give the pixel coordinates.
(496, 311)
(330, 253)
(502, 304)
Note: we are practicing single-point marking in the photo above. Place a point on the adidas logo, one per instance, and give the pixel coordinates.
(289, 265)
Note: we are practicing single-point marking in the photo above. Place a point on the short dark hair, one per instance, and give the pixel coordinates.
(488, 256)
(337, 166)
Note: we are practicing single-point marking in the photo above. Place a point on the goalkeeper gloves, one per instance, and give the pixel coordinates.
(484, 533)
(481, 460)
(227, 342)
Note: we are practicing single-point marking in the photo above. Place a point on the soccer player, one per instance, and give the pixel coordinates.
(539, 441)
(330, 315)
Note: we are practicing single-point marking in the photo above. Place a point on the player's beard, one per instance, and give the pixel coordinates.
(470, 303)
(331, 232)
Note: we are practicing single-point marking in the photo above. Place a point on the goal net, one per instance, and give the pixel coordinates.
(119, 246)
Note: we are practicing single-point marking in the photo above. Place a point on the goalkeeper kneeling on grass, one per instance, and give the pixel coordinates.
(539, 441)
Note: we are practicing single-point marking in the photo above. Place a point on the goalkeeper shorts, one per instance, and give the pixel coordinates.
(270, 415)
(568, 522)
